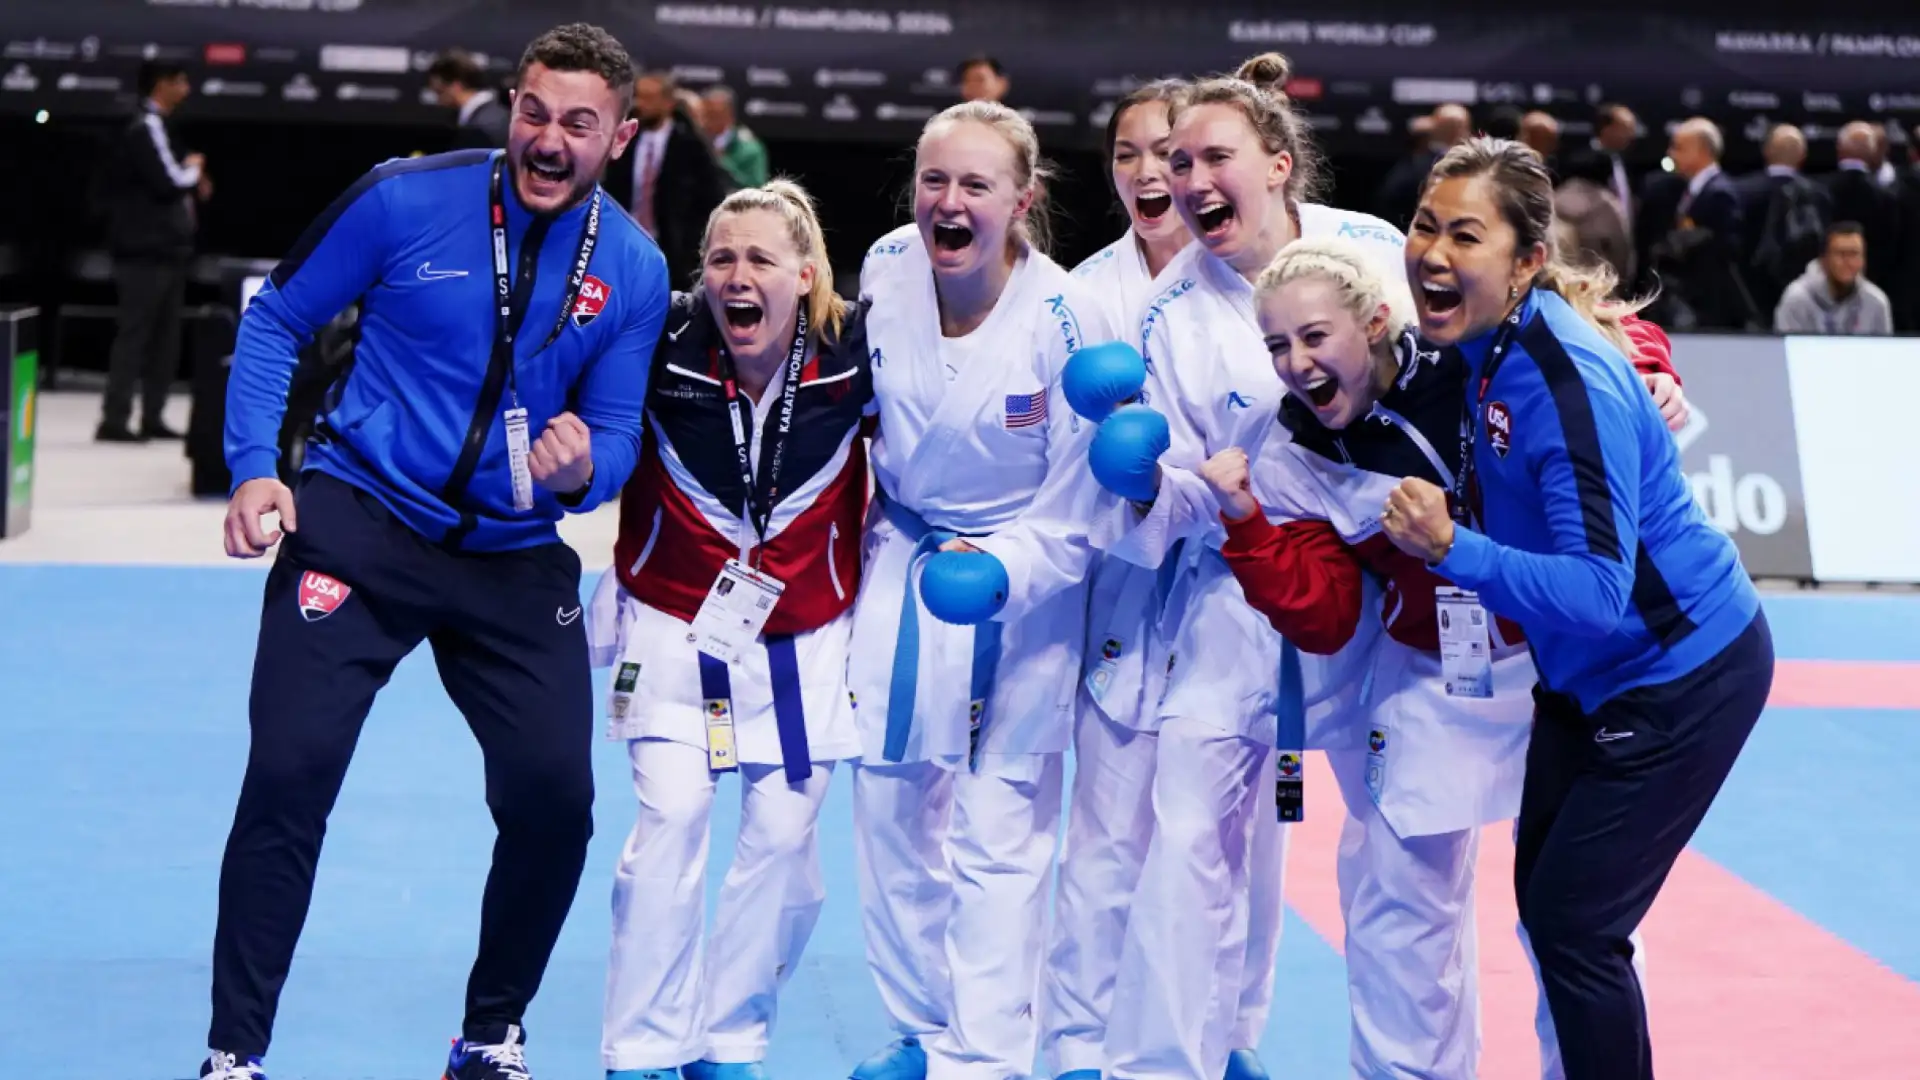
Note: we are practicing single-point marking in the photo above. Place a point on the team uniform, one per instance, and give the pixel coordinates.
(957, 795)
(1210, 374)
(1435, 765)
(777, 714)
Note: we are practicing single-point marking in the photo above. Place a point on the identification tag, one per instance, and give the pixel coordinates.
(1466, 659)
(736, 609)
(1376, 763)
(721, 754)
(624, 682)
(518, 450)
(1103, 672)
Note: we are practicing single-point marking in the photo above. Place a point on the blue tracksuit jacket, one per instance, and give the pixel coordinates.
(1593, 542)
(419, 421)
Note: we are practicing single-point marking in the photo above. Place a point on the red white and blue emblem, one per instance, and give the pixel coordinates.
(1026, 410)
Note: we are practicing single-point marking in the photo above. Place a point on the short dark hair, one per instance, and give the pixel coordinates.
(581, 47)
(1608, 115)
(978, 60)
(1846, 228)
(153, 73)
(1504, 122)
(457, 67)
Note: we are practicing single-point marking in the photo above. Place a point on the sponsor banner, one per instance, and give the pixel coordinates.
(1738, 448)
(874, 70)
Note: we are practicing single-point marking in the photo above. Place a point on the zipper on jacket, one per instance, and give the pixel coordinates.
(833, 537)
(493, 387)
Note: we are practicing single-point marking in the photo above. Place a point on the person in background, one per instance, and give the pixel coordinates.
(1448, 125)
(1834, 296)
(982, 78)
(1603, 162)
(1858, 196)
(152, 191)
(1571, 517)
(457, 81)
(1539, 130)
(1699, 249)
(741, 152)
(1787, 217)
(672, 181)
(475, 417)
(1906, 286)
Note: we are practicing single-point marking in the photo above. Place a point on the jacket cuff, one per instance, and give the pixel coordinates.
(1470, 561)
(252, 465)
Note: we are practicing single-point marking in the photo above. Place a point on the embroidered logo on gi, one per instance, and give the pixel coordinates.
(1289, 765)
(1069, 324)
(1026, 410)
(1376, 740)
(594, 295)
(1499, 427)
(321, 596)
(1111, 650)
(1235, 401)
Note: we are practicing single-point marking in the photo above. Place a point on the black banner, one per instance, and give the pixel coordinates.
(878, 72)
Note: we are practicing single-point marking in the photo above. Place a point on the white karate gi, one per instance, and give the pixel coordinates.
(955, 844)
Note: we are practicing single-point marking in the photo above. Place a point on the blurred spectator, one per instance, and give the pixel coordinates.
(1604, 161)
(740, 150)
(150, 188)
(457, 81)
(1399, 193)
(1698, 253)
(1906, 193)
(1833, 297)
(695, 106)
(671, 180)
(1787, 216)
(1595, 226)
(1858, 196)
(1541, 131)
(1503, 123)
(982, 78)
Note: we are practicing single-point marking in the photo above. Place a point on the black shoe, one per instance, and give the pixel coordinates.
(116, 433)
(158, 430)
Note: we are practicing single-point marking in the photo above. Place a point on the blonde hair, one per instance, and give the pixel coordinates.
(1340, 263)
(1523, 191)
(825, 309)
(1030, 171)
(1258, 88)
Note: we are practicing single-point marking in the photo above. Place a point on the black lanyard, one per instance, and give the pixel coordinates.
(1466, 482)
(760, 511)
(503, 320)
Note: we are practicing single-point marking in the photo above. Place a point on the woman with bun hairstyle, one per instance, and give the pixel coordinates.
(760, 364)
(1369, 404)
(1232, 715)
(1570, 517)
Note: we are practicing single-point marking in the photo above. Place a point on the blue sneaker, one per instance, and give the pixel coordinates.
(903, 1059)
(471, 1059)
(733, 1070)
(221, 1065)
(1245, 1065)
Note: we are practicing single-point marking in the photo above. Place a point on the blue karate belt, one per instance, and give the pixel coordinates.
(906, 651)
(789, 716)
(1290, 738)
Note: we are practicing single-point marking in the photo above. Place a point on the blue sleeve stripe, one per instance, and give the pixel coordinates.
(1582, 434)
(316, 232)
(1654, 600)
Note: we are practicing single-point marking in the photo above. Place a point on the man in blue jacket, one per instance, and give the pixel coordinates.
(509, 312)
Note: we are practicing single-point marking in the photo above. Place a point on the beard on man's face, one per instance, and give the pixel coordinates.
(549, 182)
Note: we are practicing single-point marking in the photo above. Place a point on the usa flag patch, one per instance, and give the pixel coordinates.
(1026, 410)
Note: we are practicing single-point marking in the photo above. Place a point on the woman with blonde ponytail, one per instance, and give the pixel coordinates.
(747, 505)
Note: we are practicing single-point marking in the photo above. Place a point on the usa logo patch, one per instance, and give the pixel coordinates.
(1499, 428)
(320, 595)
(594, 295)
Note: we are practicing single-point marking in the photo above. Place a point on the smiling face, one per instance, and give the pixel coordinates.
(1462, 262)
(1140, 171)
(1321, 351)
(755, 279)
(566, 127)
(967, 193)
(1225, 181)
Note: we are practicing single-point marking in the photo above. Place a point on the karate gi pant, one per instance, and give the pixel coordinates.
(1412, 945)
(670, 999)
(954, 867)
(1196, 969)
(1109, 829)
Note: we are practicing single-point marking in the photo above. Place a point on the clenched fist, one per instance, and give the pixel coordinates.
(562, 458)
(1228, 475)
(1416, 519)
(1671, 399)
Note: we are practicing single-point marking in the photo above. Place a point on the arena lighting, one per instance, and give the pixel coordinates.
(40, 117)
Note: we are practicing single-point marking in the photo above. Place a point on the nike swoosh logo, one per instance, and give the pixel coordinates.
(428, 273)
(1603, 735)
(674, 335)
(565, 617)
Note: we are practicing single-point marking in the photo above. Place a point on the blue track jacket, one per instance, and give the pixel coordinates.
(419, 422)
(1592, 539)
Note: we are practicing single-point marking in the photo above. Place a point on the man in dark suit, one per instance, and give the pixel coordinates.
(458, 82)
(1699, 253)
(1399, 193)
(1604, 160)
(1858, 196)
(1769, 267)
(669, 178)
(152, 190)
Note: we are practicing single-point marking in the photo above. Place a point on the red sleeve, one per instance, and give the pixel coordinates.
(1653, 353)
(1301, 576)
